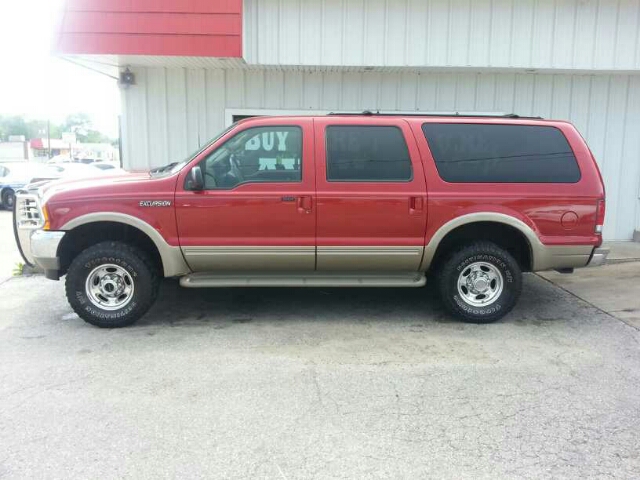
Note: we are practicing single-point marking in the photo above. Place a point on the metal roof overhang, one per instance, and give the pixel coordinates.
(112, 64)
(107, 34)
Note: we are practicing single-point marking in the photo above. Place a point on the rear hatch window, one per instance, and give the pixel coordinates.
(476, 153)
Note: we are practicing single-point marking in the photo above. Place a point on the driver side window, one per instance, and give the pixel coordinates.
(261, 154)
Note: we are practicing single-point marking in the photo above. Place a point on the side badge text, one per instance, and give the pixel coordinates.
(155, 203)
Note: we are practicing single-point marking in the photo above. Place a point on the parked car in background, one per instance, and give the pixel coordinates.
(94, 162)
(80, 170)
(336, 201)
(14, 176)
(85, 160)
(108, 167)
(60, 159)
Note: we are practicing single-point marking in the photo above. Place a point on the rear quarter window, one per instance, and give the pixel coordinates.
(475, 153)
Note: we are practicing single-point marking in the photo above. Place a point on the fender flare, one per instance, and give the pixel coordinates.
(538, 249)
(172, 259)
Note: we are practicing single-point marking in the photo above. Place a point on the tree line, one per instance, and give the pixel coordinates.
(78, 123)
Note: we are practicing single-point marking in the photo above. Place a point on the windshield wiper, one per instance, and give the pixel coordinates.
(166, 168)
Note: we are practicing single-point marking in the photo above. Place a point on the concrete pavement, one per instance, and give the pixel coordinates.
(622, 252)
(9, 255)
(316, 383)
(322, 383)
(613, 288)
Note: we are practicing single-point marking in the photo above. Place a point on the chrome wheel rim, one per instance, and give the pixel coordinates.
(109, 287)
(480, 284)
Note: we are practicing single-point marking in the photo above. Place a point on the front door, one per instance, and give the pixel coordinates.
(372, 198)
(257, 211)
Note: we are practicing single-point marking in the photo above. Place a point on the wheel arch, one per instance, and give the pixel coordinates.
(528, 252)
(171, 260)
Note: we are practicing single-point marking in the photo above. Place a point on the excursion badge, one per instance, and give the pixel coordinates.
(155, 203)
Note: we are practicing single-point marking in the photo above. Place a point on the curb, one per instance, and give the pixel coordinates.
(614, 261)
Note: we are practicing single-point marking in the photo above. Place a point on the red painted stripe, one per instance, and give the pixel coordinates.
(152, 23)
(148, 44)
(177, 6)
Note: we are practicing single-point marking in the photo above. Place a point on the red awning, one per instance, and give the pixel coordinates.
(42, 144)
(199, 28)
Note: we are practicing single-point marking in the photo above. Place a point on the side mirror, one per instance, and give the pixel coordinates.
(196, 180)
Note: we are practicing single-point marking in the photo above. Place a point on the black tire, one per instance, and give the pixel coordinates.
(458, 263)
(141, 273)
(8, 199)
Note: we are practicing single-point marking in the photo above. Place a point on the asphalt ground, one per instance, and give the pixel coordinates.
(9, 256)
(316, 383)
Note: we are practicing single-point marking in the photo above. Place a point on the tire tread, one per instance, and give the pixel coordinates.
(114, 249)
(447, 271)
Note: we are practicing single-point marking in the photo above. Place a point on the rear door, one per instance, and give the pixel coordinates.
(371, 195)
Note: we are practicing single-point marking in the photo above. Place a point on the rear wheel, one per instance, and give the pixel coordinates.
(8, 199)
(111, 284)
(480, 283)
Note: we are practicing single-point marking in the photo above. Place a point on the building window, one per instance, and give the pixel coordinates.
(367, 154)
(479, 153)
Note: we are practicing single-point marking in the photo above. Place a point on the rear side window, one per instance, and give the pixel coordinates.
(367, 154)
(501, 153)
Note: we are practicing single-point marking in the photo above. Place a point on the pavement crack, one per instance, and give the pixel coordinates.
(589, 303)
(279, 469)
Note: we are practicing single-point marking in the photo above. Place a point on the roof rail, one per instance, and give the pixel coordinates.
(435, 114)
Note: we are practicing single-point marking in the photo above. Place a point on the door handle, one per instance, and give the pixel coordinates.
(305, 203)
(415, 205)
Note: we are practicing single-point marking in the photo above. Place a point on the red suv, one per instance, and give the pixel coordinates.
(367, 200)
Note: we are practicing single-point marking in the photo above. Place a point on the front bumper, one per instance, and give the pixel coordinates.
(598, 257)
(44, 250)
(37, 246)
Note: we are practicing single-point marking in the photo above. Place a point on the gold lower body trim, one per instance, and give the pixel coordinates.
(242, 259)
(369, 259)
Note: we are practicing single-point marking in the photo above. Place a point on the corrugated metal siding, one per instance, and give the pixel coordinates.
(171, 112)
(541, 34)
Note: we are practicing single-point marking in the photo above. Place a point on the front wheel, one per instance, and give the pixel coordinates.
(481, 283)
(111, 284)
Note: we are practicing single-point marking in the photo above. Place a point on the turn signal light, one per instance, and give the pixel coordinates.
(600, 208)
(45, 216)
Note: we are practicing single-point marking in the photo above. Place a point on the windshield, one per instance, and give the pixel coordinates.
(175, 167)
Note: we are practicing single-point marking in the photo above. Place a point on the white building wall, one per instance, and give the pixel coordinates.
(540, 34)
(171, 112)
(13, 151)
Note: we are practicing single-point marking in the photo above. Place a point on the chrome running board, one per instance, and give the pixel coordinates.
(204, 280)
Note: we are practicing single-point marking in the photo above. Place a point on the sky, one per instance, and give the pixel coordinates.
(38, 85)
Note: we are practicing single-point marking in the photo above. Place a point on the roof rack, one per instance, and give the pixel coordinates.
(436, 114)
